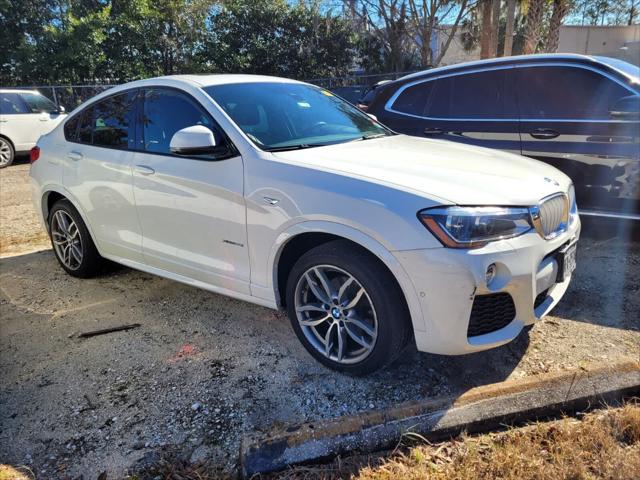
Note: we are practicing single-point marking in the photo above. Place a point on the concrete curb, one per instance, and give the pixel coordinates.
(480, 409)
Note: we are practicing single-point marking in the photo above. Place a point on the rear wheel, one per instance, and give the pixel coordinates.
(347, 309)
(72, 244)
(7, 153)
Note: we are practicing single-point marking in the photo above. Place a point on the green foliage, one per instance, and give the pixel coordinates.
(78, 41)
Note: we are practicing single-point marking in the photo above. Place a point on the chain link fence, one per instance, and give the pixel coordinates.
(351, 87)
(69, 96)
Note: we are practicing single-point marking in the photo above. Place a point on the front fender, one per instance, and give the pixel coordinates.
(358, 237)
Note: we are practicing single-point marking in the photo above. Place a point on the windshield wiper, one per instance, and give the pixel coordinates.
(294, 147)
(375, 135)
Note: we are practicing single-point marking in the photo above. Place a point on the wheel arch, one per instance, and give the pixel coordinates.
(51, 196)
(302, 237)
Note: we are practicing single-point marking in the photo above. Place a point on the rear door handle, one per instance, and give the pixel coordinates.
(544, 133)
(144, 170)
(433, 131)
(75, 156)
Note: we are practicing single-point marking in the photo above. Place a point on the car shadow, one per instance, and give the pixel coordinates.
(605, 289)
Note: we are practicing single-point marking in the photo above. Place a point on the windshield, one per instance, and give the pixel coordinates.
(39, 103)
(284, 116)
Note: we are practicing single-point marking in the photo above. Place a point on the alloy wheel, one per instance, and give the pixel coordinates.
(66, 239)
(336, 314)
(5, 153)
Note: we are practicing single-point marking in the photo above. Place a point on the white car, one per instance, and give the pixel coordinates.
(24, 116)
(279, 193)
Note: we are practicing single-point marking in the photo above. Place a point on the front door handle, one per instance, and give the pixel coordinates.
(144, 170)
(433, 131)
(75, 156)
(544, 134)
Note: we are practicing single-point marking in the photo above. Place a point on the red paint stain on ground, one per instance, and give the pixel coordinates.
(187, 350)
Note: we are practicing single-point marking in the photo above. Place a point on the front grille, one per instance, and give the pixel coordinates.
(490, 313)
(554, 215)
(542, 296)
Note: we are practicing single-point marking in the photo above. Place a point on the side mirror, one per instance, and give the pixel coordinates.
(61, 109)
(194, 140)
(627, 108)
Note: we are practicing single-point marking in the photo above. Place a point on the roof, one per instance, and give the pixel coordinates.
(17, 90)
(207, 80)
(506, 60)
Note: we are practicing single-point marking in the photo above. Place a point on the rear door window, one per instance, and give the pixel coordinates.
(479, 95)
(11, 104)
(113, 122)
(566, 93)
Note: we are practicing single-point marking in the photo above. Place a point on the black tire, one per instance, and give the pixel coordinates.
(6, 148)
(91, 262)
(393, 320)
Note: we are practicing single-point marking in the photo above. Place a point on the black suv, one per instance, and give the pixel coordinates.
(580, 114)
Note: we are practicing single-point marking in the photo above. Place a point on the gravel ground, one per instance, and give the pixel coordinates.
(20, 229)
(202, 369)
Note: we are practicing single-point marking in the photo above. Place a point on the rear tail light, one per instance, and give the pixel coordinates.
(34, 154)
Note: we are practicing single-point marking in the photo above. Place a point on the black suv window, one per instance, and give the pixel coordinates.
(482, 95)
(563, 92)
(167, 111)
(11, 103)
(414, 99)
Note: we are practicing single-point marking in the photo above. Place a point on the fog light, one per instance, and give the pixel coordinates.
(491, 273)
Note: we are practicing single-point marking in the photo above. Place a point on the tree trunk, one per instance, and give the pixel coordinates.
(534, 25)
(485, 32)
(560, 8)
(495, 27)
(508, 33)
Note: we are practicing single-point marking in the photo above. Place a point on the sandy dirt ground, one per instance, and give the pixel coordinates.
(202, 370)
(20, 229)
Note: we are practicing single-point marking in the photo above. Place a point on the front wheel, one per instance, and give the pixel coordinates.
(71, 241)
(7, 153)
(347, 309)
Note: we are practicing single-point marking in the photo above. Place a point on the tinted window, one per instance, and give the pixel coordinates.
(39, 103)
(71, 128)
(292, 115)
(165, 112)
(112, 121)
(11, 103)
(414, 99)
(567, 93)
(85, 132)
(482, 95)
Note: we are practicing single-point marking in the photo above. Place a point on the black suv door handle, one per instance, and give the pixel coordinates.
(433, 131)
(544, 133)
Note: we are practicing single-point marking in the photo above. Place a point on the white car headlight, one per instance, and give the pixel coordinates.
(473, 227)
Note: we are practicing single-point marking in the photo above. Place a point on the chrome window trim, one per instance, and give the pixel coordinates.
(389, 105)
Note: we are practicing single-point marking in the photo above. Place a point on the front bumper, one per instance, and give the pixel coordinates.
(447, 282)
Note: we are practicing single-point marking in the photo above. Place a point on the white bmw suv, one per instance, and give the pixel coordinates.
(24, 116)
(279, 193)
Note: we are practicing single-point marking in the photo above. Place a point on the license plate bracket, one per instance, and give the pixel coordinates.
(567, 261)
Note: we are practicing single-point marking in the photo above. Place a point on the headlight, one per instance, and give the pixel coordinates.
(473, 227)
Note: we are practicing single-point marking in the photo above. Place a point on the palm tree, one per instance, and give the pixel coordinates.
(533, 29)
(560, 9)
(508, 33)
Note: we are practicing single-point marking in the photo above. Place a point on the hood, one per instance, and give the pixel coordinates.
(438, 169)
